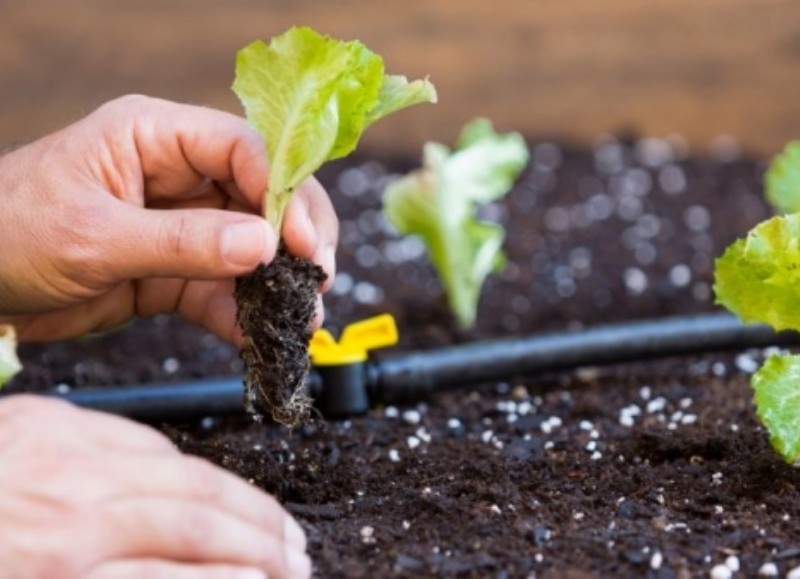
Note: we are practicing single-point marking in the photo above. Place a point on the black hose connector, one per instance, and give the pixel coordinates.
(345, 390)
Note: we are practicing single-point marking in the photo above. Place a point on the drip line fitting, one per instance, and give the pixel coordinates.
(351, 384)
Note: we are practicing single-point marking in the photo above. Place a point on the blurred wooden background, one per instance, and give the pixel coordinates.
(551, 68)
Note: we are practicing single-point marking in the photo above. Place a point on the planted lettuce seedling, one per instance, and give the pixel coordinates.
(439, 203)
(757, 279)
(310, 97)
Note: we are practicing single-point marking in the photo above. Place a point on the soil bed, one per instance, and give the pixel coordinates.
(650, 469)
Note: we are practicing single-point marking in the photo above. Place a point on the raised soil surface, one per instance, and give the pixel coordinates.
(656, 468)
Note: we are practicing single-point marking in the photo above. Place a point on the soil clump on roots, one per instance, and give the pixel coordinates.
(275, 308)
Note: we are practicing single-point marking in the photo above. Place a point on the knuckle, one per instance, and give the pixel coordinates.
(176, 238)
(126, 102)
(196, 530)
(203, 480)
(76, 251)
(275, 561)
(171, 236)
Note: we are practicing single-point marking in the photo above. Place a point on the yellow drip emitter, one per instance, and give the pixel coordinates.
(342, 365)
(355, 343)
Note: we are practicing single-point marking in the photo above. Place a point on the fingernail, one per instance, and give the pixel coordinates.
(250, 574)
(247, 243)
(293, 534)
(299, 563)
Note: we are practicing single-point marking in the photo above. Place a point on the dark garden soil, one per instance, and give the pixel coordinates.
(648, 469)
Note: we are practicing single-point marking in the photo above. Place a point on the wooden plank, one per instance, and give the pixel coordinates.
(559, 68)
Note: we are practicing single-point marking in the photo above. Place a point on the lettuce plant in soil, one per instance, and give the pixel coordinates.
(439, 203)
(757, 279)
(310, 97)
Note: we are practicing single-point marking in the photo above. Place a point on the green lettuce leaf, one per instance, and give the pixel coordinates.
(9, 362)
(777, 399)
(782, 181)
(438, 203)
(311, 97)
(397, 93)
(757, 277)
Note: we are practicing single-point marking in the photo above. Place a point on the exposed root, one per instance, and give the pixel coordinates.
(275, 307)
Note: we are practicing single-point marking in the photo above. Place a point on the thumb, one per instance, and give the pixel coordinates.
(189, 243)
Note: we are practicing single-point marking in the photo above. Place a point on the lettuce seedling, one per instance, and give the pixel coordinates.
(757, 279)
(9, 362)
(310, 97)
(439, 202)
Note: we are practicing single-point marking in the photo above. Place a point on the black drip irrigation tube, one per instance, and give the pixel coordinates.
(352, 389)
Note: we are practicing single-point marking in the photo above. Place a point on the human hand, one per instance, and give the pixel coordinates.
(93, 496)
(143, 207)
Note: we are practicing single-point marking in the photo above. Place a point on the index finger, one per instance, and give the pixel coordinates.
(181, 146)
